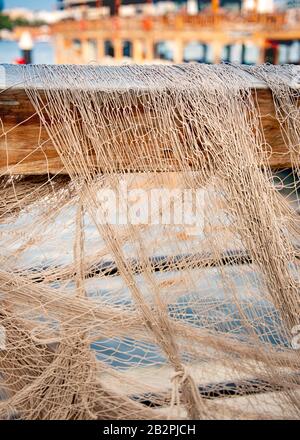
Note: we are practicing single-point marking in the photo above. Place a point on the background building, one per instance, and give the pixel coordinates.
(200, 5)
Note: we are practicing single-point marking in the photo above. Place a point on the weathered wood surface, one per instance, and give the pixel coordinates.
(25, 147)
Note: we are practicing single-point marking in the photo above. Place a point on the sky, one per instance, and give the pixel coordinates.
(29, 4)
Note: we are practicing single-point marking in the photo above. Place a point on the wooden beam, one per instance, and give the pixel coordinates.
(25, 147)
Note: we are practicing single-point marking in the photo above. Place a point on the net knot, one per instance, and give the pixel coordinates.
(180, 375)
(177, 379)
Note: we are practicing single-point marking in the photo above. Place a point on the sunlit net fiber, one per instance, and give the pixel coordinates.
(152, 321)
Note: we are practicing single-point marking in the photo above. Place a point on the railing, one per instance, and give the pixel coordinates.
(173, 21)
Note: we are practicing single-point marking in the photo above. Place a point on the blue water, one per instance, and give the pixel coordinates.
(262, 316)
(43, 53)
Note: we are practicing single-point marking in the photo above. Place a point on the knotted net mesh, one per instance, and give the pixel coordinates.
(156, 273)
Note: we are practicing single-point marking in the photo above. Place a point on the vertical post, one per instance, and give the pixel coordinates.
(100, 49)
(217, 52)
(178, 51)
(137, 50)
(85, 51)
(118, 49)
(64, 51)
(150, 55)
(261, 51)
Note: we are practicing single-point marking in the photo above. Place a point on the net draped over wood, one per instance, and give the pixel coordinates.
(151, 320)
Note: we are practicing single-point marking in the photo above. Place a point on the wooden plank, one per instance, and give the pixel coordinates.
(25, 147)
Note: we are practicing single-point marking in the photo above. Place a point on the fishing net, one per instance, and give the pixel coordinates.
(155, 274)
